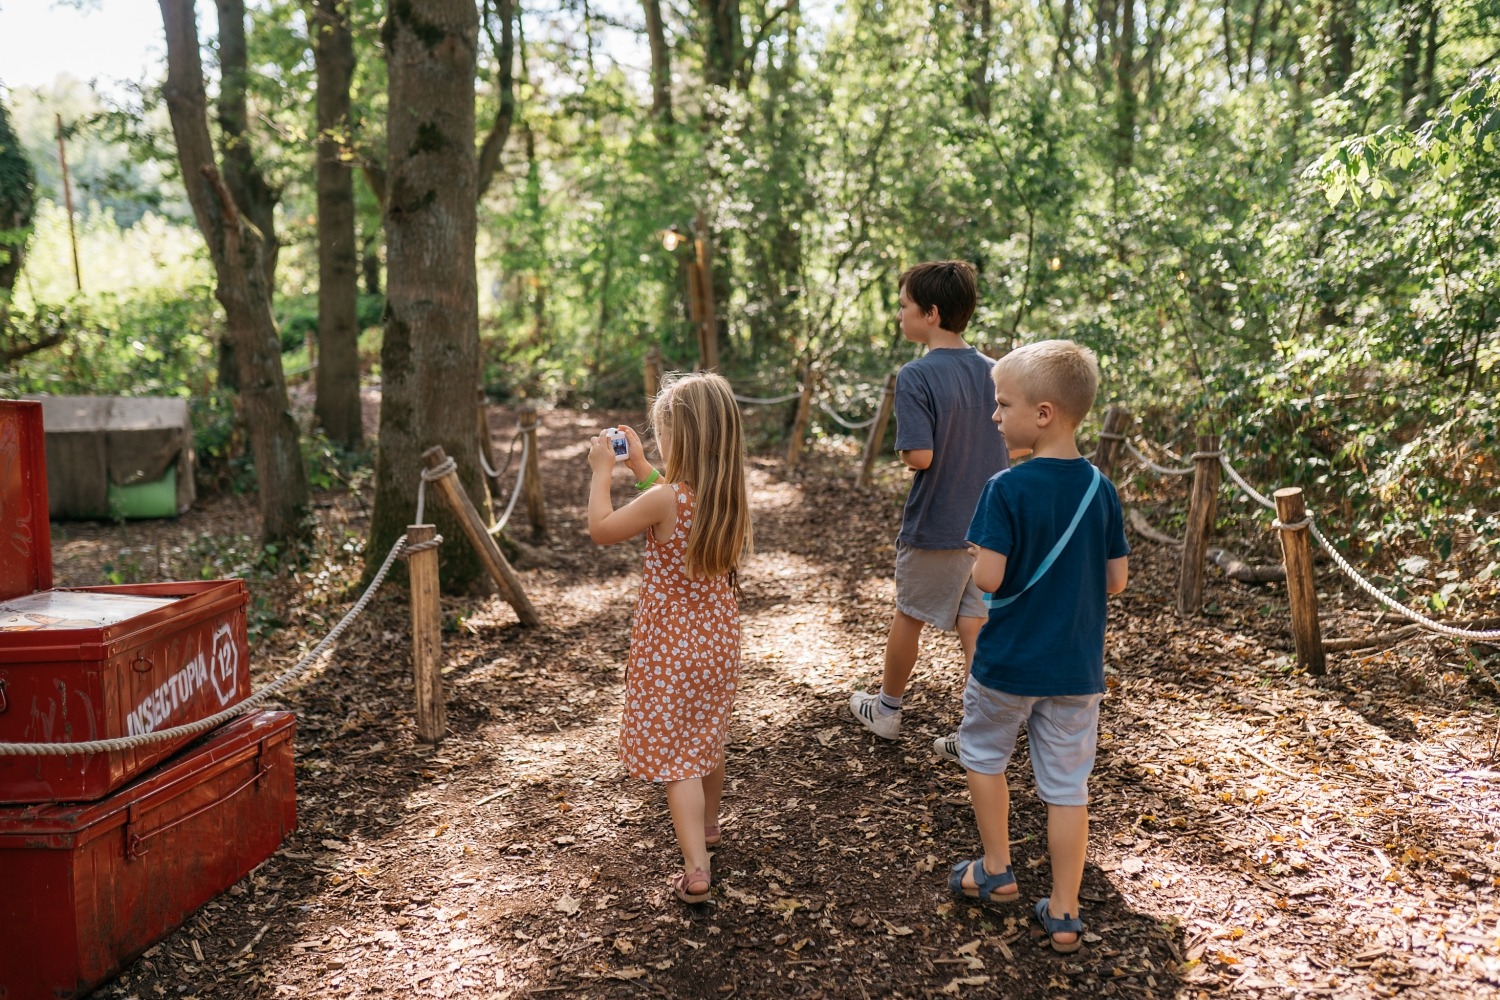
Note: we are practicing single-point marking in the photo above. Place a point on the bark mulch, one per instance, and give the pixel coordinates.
(1256, 831)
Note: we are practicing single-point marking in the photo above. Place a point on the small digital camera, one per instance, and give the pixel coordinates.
(619, 443)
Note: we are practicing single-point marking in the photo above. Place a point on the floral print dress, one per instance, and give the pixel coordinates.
(684, 662)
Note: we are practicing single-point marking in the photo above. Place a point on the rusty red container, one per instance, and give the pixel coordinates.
(94, 663)
(89, 887)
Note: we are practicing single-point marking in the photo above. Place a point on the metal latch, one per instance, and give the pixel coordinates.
(4, 702)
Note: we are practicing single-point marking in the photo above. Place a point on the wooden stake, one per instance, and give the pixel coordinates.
(426, 636)
(536, 506)
(452, 492)
(877, 431)
(62, 159)
(803, 418)
(1301, 586)
(708, 316)
(1200, 525)
(653, 373)
(1117, 420)
(487, 449)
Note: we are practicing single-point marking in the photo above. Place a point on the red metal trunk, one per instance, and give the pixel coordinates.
(97, 662)
(86, 888)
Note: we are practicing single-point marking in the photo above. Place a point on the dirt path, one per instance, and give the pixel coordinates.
(1254, 833)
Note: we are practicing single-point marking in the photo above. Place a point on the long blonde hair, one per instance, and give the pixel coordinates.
(696, 416)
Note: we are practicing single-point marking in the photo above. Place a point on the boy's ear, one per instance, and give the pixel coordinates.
(1045, 412)
(932, 315)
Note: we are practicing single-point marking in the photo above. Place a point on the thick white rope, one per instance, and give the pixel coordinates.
(1239, 481)
(1161, 469)
(433, 474)
(254, 701)
(843, 422)
(772, 401)
(1391, 602)
(1348, 569)
(515, 491)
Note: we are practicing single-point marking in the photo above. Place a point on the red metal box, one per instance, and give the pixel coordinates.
(68, 678)
(86, 888)
(97, 662)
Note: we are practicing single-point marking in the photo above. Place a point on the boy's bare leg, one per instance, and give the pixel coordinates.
(901, 648)
(1067, 844)
(968, 637)
(685, 800)
(991, 796)
(713, 791)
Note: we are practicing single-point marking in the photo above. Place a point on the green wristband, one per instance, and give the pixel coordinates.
(645, 484)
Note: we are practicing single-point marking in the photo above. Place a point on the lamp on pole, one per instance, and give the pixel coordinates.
(700, 288)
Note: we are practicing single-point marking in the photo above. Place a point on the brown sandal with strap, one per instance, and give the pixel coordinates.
(681, 883)
(712, 836)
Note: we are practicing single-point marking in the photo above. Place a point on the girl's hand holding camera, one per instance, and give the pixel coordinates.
(617, 446)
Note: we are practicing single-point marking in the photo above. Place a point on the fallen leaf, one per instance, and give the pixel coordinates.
(633, 972)
(953, 986)
(567, 904)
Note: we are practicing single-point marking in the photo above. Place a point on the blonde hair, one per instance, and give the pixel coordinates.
(698, 419)
(1054, 371)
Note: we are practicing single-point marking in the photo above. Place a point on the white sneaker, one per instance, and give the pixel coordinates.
(946, 747)
(866, 709)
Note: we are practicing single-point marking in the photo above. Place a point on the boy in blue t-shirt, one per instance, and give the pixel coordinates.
(1049, 544)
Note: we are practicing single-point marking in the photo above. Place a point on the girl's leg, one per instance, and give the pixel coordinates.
(713, 791)
(991, 796)
(685, 800)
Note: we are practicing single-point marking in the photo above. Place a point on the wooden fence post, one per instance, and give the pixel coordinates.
(803, 418)
(877, 431)
(536, 508)
(487, 449)
(653, 373)
(452, 492)
(1301, 587)
(1200, 525)
(1117, 421)
(426, 635)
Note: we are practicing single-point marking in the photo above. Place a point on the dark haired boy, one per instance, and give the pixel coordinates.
(943, 433)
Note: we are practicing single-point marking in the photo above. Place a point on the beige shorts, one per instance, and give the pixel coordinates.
(936, 586)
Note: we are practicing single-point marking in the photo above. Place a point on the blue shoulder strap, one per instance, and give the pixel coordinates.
(999, 602)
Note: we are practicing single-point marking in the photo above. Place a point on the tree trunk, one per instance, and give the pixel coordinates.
(661, 70)
(1338, 39)
(337, 379)
(430, 356)
(255, 198)
(235, 248)
(505, 84)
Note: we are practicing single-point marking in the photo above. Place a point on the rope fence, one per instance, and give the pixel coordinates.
(440, 469)
(1292, 525)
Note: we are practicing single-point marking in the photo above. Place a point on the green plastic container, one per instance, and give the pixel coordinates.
(143, 500)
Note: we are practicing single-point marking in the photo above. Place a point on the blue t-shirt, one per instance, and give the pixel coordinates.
(944, 401)
(1049, 641)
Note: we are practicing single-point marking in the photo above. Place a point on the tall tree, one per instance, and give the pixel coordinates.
(17, 206)
(337, 380)
(236, 248)
(661, 70)
(430, 356)
(504, 47)
(242, 174)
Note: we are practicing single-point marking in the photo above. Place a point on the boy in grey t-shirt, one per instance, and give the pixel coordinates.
(943, 433)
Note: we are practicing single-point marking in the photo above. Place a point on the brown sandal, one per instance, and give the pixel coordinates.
(712, 835)
(681, 882)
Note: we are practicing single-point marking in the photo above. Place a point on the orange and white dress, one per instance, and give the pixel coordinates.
(684, 663)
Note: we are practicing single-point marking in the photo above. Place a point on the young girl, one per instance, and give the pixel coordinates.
(684, 660)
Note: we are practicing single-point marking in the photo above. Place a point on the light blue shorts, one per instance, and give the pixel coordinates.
(936, 586)
(1063, 731)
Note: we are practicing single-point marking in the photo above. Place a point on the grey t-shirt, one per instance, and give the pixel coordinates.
(944, 402)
